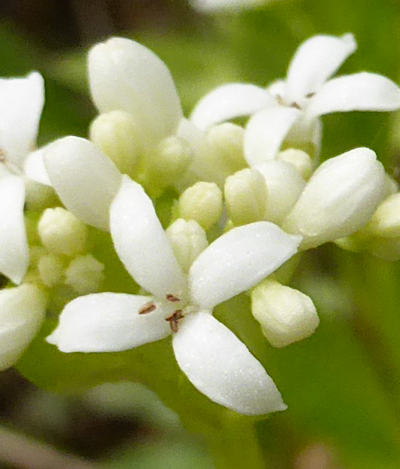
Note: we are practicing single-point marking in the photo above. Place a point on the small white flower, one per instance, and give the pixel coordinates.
(295, 104)
(216, 362)
(21, 103)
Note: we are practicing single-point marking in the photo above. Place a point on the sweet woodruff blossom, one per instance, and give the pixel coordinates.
(21, 103)
(290, 109)
(216, 362)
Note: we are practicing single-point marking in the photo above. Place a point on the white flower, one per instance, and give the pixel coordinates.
(22, 310)
(21, 103)
(291, 108)
(211, 6)
(216, 362)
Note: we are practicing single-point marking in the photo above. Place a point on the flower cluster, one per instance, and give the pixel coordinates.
(241, 200)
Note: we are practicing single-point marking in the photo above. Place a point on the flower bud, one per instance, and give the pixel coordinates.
(201, 202)
(246, 196)
(286, 315)
(85, 274)
(391, 186)
(339, 199)
(51, 269)
(188, 240)
(385, 221)
(61, 232)
(116, 135)
(22, 310)
(284, 185)
(168, 162)
(299, 159)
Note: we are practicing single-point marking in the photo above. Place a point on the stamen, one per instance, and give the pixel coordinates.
(310, 95)
(295, 105)
(172, 298)
(2, 156)
(147, 308)
(174, 320)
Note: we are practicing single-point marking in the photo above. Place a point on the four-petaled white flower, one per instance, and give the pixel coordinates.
(291, 108)
(216, 362)
(21, 103)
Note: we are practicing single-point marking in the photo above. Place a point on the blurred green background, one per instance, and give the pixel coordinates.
(343, 384)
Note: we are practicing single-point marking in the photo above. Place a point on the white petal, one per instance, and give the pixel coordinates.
(212, 6)
(108, 322)
(142, 244)
(22, 311)
(339, 199)
(229, 101)
(220, 366)
(85, 179)
(14, 254)
(127, 76)
(21, 103)
(35, 169)
(315, 61)
(266, 131)
(238, 260)
(358, 92)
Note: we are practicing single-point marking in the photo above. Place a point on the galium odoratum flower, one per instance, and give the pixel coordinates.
(21, 103)
(290, 109)
(216, 362)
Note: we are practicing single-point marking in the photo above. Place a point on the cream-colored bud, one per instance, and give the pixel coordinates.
(85, 274)
(299, 159)
(284, 185)
(38, 196)
(61, 232)
(22, 310)
(51, 269)
(246, 196)
(116, 135)
(168, 162)
(339, 199)
(286, 315)
(188, 240)
(201, 202)
(385, 221)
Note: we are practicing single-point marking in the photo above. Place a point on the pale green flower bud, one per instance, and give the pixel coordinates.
(188, 240)
(385, 221)
(246, 196)
(61, 232)
(85, 274)
(286, 315)
(51, 269)
(284, 185)
(116, 135)
(22, 311)
(38, 196)
(201, 202)
(167, 163)
(299, 159)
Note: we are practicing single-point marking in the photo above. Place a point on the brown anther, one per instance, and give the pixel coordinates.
(172, 298)
(310, 95)
(2, 156)
(174, 320)
(295, 105)
(147, 308)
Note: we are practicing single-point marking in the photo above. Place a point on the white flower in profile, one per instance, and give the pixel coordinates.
(21, 103)
(291, 108)
(216, 362)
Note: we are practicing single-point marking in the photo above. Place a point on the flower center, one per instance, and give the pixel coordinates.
(12, 168)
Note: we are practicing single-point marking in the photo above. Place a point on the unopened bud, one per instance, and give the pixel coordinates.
(201, 202)
(51, 269)
(85, 274)
(61, 232)
(168, 162)
(188, 240)
(385, 221)
(286, 315)
(299, 159)
(246, 196)
(22, 310)
(116, 135)
(284, 185)
(339, 199)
